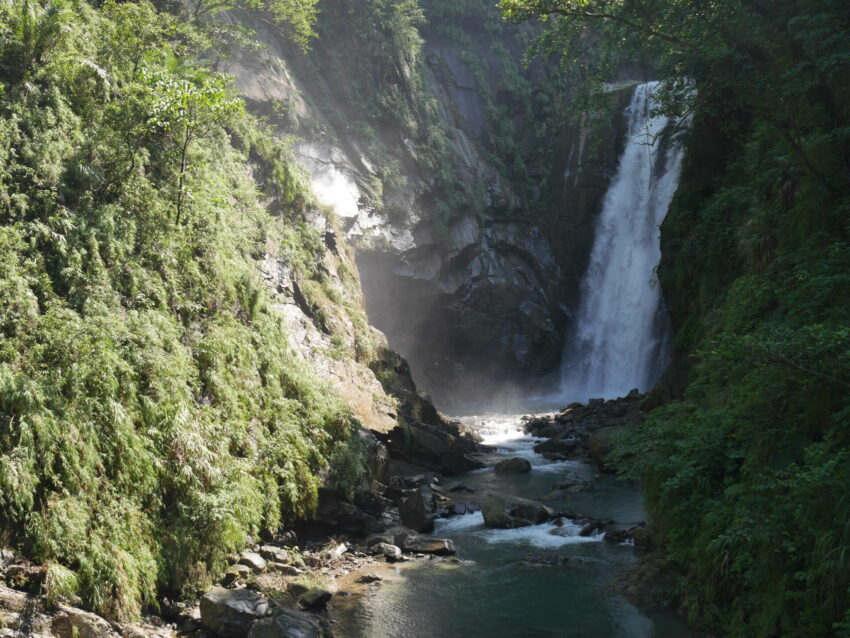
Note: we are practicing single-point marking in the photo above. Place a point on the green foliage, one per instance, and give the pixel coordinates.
(295, 17)
(151, 415)
(746, 475)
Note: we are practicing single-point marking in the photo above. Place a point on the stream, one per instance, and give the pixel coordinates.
(490, 592)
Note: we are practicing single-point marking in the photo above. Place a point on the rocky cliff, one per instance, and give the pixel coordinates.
(465, 181)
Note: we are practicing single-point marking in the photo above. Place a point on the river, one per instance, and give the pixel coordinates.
(490, 592)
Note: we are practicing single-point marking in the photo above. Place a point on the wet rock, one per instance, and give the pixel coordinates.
(593, 527)
(369, 578)
(230, 613)
(515, 465)
(417, 510)
(315, 599)
(615, 533)
(252, 560)
(505, 512)
(428, 545)
(287, 623)
(557, 449)
(236, 573)
(542, 560)
(642, 538)
(458, 509)
(390, 552)
(460, 487)
(457, 462)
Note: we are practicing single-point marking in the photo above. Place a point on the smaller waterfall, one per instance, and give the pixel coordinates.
(621, 329)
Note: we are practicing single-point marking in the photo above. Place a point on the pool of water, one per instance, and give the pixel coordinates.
(492, 593)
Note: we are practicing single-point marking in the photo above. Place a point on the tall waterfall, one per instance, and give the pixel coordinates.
(620, 338)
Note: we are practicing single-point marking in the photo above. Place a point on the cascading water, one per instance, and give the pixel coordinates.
(621, 329)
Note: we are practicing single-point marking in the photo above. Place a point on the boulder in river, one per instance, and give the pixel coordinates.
(229, 613)
(558, 449)
(417, 510)
(514, 465)
(390, 552)
(506, 512)
(428, 545)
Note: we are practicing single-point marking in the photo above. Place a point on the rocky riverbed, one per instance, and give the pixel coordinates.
(435, 490)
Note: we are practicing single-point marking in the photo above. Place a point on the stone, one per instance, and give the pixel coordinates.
(335, 552)
(381, 538)
(417, 510)
(229, 613)
(369, 578)
(287, 623)
(457, 462)
(515, 465)
(428, 545)
(285, 570)
(315, 599)
(273, 553)
(505, 512)
(390, 552)
(642, 537)
(252, 560)
(372, 503)
(236, 573)
(557, 449)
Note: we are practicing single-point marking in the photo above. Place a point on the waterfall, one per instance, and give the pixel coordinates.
(620, 334)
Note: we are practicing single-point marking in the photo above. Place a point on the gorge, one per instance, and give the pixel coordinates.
(254, 252)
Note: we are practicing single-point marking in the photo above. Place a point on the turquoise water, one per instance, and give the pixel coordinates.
(492, 594)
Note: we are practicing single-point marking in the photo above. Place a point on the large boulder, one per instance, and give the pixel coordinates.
(286, 624)
(229, 613)
(417, 510)
(507, 512)
(391, 552)
(558, 449)
(515, 465)
(455, 461)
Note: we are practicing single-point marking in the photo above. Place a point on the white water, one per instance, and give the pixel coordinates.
(620, 334)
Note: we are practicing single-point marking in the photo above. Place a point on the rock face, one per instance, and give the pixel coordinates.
(229, 613)
(515, 465)
(508, 512)
(476, 287)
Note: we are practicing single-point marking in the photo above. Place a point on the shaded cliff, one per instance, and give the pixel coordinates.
(466, 181)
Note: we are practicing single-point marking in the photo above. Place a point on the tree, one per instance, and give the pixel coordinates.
(184, 110)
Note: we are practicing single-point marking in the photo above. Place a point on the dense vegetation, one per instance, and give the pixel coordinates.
(151, 415)
(747, 472)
